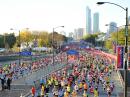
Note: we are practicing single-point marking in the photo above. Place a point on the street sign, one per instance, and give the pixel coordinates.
(120, 57)
(25, 53)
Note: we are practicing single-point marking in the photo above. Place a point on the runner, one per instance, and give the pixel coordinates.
(33, 91)
(96, 93)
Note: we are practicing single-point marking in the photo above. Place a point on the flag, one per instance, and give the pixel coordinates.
(120, 57)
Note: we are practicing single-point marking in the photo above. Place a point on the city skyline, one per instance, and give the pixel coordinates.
(46, 14)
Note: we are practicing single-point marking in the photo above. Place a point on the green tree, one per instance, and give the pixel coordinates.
(1, 41)
(25, 37)
(120, 38)
(10, 39)
(91, 38)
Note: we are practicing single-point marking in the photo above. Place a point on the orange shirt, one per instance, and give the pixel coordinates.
(85, 86)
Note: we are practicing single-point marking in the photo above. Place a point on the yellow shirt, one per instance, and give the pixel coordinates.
(42, 90)
(68, 88)
(74, 94)
(66, 94)
(80, 85)
(95, 93)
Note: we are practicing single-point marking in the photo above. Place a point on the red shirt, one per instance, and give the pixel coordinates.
(33, 90)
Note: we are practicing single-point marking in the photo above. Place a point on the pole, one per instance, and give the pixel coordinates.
(53, 45)
(126, 54)
(19, 48)
(117, 36)
(4, 40)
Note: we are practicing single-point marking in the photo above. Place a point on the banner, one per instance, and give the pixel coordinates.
(25, 53)
(129, 58)
(120, 57)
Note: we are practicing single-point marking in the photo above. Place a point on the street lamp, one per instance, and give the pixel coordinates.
(53, 40)
(19, 45)
(126, 44)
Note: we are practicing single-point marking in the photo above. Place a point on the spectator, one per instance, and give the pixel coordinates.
(8, 82)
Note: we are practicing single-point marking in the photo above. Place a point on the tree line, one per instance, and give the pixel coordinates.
(114, 37)
(26, 37)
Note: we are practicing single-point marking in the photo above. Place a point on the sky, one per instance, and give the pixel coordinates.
(48, 14)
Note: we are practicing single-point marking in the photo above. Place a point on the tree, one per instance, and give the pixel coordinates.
(91, 38)
(10, 39)
(121, 38)
(25, 37)
(1, 41)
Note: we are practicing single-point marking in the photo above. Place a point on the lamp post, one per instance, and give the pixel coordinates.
(19, 45)
(53, 40)
(126, 44)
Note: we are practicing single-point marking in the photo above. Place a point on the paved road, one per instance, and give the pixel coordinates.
(16, 91)
(31, 77)
(35, 75)
(118, 88)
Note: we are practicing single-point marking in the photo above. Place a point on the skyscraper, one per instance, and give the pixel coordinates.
(88, 20)
(79, 33)
(96, 22)
(112, 27)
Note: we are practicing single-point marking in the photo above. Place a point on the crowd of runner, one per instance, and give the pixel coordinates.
(14, 71)
(79, 78)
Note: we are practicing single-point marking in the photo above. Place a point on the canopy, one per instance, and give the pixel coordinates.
(72, 52)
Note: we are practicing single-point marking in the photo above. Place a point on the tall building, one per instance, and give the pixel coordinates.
(71, 34)
(96, 22)
(78, 33)
(112, 27)
(88, 20)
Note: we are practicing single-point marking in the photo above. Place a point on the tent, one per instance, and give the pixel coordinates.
(72, 52)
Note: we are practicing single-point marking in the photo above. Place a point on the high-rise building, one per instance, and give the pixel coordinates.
(129, 19)
(88, 20)
(96, 22)
(71, 34)
(112, 27)
(79, 33)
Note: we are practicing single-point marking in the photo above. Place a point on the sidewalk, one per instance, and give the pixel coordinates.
(118, 83)
(16, 91)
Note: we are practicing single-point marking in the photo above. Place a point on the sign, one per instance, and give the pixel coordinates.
(120, 57)
(129, 57)
(25, 53)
